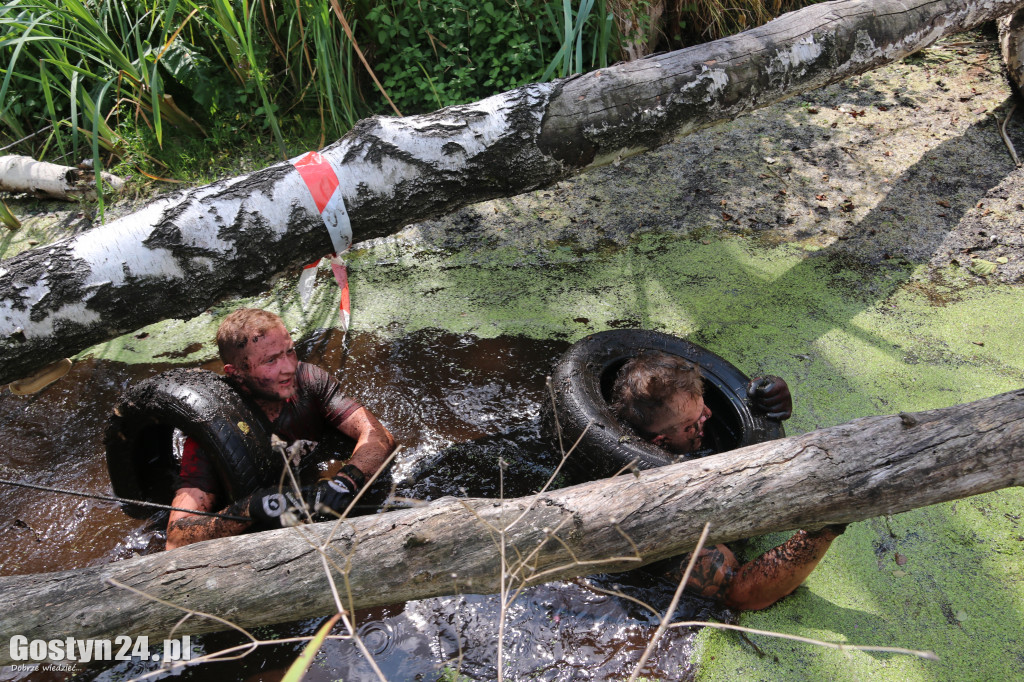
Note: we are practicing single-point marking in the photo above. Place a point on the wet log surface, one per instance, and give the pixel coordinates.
(183, 253)
(867, 467)
(1011, 45)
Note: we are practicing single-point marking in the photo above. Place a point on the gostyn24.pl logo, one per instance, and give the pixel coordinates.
(121, 648)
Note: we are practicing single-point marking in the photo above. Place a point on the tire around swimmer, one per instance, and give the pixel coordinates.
(582, 381)
(202, 405)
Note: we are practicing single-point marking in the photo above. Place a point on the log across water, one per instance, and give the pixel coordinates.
(854, 471)
(183, 253)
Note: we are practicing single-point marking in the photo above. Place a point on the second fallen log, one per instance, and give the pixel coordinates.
(855, 471)
(50, 181)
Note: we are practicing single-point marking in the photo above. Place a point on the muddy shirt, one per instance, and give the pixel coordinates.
(317, 406)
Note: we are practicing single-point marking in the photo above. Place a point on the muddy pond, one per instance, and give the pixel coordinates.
(458, 405)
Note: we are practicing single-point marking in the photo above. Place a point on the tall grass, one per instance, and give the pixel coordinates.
(79, 64)
(82, 63)
(235, 38)
(572, 25)
(320, 64)
(101, 70)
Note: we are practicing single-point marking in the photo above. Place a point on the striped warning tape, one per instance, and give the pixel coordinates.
(322, 182)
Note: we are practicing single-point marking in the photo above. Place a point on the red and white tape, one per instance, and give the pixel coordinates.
(322, 182)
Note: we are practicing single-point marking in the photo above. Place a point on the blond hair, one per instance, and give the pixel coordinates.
(241, 327)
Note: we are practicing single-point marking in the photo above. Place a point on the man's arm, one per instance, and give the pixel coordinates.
(184, 528)
(760, 583)
(373, 442)
(771, 395)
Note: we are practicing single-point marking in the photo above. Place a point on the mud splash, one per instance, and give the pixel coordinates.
(461, 406)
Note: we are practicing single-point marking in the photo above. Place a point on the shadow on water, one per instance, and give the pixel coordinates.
(459, 405)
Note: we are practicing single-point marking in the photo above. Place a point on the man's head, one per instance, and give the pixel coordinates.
(258, 353)
(662, 397)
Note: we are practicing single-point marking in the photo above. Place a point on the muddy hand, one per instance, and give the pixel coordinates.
(332, 498)
(771, 395)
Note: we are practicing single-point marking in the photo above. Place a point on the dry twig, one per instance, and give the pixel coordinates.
(1006, 139)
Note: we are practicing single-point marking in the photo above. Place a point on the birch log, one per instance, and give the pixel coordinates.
(867, 467)
(1011, 44)
(181, 254)
(49, 180)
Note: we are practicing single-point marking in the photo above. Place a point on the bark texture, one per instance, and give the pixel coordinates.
(1011, 44)
(867, 467)
(178, 256)
(50, 181)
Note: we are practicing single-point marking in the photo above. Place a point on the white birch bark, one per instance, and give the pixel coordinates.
(1011, 44)
(49, 180)
(183, 253)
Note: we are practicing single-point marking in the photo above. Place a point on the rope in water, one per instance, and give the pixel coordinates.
(122, 500)
(156, 505)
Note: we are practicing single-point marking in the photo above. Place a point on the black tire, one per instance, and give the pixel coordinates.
(583, 379)
(202, 405)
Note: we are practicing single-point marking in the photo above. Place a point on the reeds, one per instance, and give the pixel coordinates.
(586, 32)
(96, 69)
(77, 62)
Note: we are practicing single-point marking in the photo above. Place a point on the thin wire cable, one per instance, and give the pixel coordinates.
(27, 137)
(111, 498)
(125, 500)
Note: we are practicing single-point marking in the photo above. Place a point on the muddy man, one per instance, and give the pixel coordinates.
(661, 396)
(302, 402)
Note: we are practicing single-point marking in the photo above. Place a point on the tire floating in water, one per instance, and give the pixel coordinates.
(582, 381)
(204, 406)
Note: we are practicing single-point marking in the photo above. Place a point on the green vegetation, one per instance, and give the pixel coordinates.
(431, 55)
(452, 675)
(114, 79)
(162, 86)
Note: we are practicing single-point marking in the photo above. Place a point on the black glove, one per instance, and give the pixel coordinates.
(271, 508)
(771, 395)
(331, 498)
(326, 500)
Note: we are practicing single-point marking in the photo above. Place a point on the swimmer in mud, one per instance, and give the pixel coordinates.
(661, 396)
(302, 402)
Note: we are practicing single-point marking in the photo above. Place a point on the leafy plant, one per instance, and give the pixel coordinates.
(238, 50)
(77, 64)
(452, 675)
(432, 54)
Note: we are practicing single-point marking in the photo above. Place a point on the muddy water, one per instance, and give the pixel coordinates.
(459, 405)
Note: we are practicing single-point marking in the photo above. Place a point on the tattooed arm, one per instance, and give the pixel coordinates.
(184, 528)
(760, 583)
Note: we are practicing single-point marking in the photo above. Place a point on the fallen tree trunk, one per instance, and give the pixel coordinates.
(1011, 44)
(867, 467)
(50, 181)
(178, 256)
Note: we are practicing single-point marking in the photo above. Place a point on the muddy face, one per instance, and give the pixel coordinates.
(267, 366)
(679, 427)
